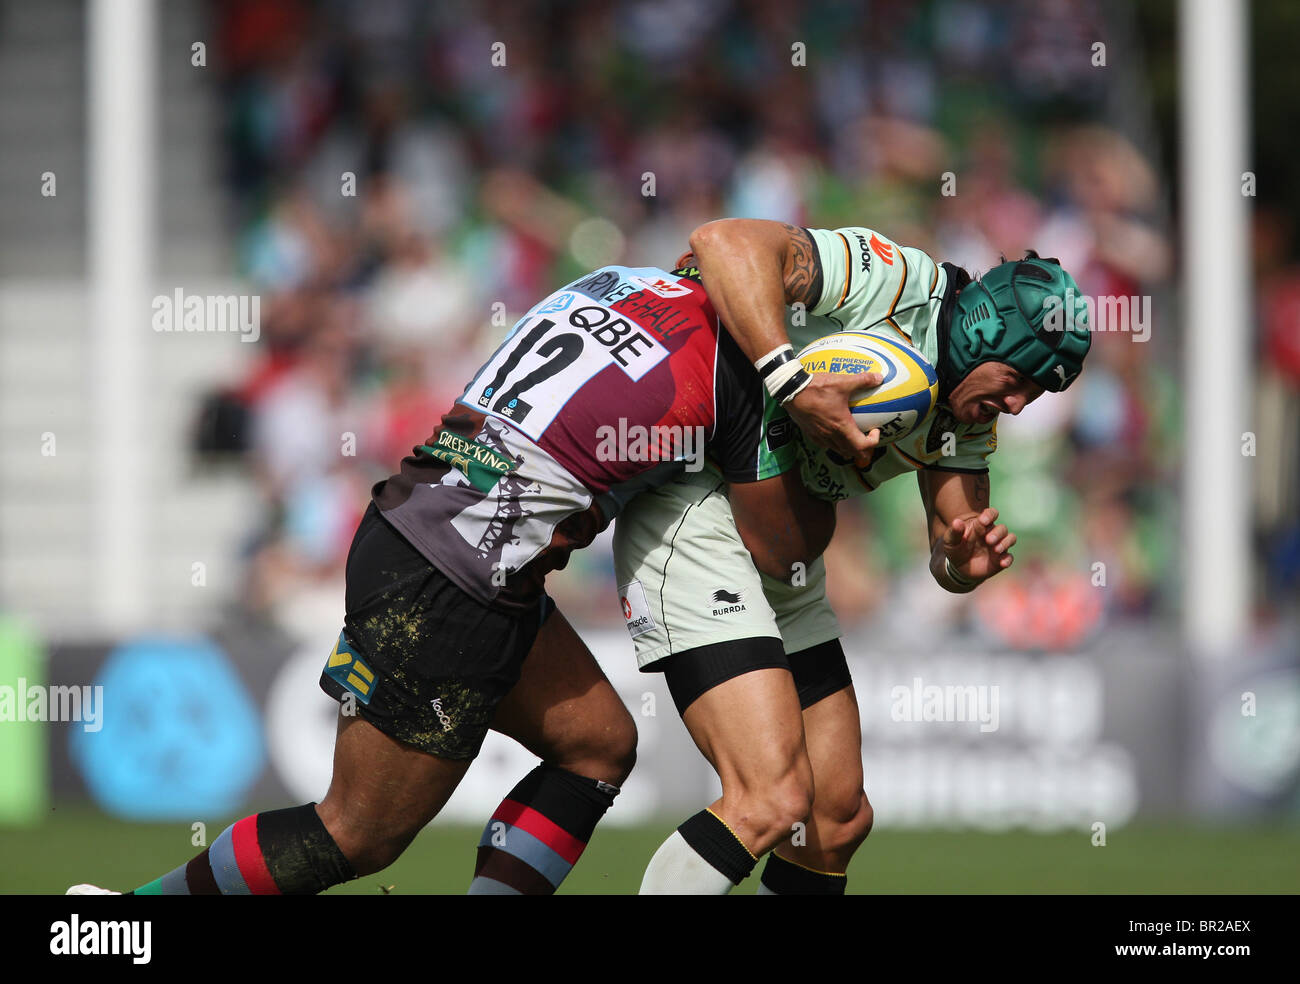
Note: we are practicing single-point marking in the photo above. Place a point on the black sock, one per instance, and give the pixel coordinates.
(782, 877)
(710, 838)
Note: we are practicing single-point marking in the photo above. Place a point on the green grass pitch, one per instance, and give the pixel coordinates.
(81, 845)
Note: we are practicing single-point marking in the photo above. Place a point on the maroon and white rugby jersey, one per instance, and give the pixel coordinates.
(605, 388)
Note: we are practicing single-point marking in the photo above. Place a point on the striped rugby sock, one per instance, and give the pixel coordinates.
(538, 832)
(284, 852)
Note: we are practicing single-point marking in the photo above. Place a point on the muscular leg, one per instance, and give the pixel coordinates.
(563, 709)
(841, 815)
(382, 794)
(565, 712)
(750, 729)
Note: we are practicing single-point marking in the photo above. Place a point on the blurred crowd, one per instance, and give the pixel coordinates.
(406, 178)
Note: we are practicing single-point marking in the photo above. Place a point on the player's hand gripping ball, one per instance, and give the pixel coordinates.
(906, 394)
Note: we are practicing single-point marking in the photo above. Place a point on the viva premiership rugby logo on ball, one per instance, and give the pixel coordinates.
(905, 396)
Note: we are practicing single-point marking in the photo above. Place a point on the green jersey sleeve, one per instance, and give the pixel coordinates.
(940, 444)
(872, 283)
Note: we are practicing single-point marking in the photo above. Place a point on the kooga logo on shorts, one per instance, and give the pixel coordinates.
(726, 602)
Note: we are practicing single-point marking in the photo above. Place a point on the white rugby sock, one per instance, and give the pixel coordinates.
(676, 869)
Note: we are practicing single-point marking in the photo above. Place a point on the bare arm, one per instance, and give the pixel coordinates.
(963, 528)
(781, 524)
(752, 269)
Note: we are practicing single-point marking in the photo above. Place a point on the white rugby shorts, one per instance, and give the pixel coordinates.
(686, 580)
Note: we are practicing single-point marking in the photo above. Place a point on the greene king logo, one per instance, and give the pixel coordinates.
(479, 463)
(37, 703)
(238, 313)
(661, 442)
(1109, 312)
(102, 938)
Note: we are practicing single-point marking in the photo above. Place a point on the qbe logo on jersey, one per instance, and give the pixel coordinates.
(552, 353)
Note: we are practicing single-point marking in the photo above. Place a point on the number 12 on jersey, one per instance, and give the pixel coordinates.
(543, 364)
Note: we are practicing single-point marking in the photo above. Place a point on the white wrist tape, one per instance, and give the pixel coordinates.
(782, 373)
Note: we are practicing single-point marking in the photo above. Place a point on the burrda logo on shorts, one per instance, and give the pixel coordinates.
(728, 602)
(442, 716)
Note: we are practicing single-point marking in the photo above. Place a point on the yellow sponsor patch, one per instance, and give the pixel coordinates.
(346, 668)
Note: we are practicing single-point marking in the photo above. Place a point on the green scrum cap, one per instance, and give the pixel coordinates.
(1026, 313)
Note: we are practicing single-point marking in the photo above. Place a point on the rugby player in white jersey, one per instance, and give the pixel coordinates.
(722, 586)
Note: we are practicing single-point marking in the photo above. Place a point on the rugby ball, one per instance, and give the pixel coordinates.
(905, 396)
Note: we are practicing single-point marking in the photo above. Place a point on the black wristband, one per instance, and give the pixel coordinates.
(772, 364)
(792, 386)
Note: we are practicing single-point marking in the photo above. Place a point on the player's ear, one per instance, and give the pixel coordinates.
(685, 260)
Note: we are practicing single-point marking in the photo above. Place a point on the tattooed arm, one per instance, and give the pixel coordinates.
(965, 535)
(752, 269)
